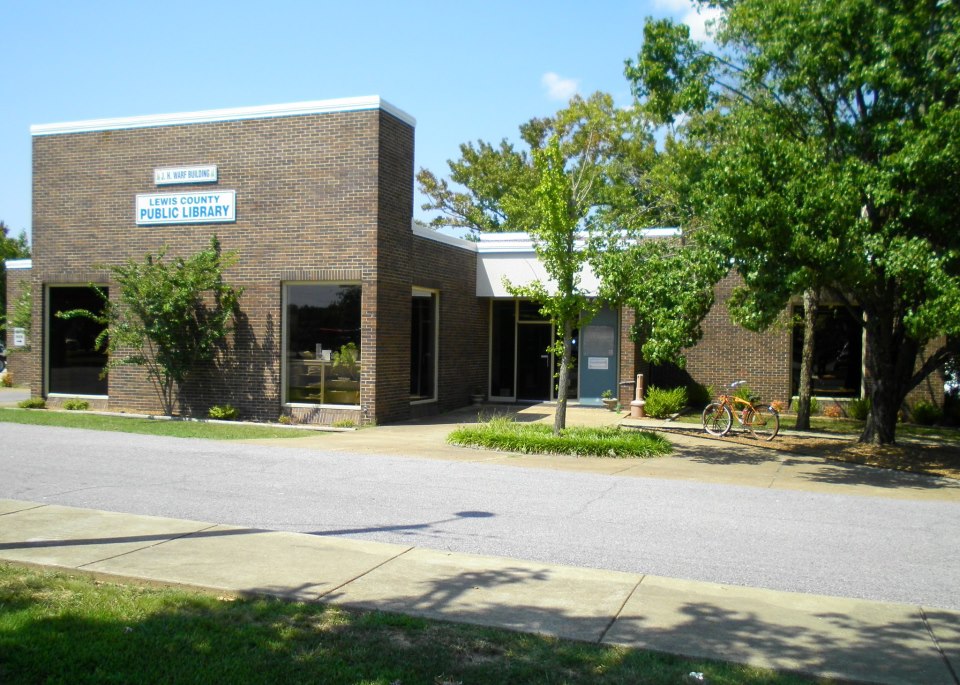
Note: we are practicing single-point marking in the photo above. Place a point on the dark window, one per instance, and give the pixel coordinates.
(837, 356)
(75, 365)
(423, 344)
(323, 344)
(501, 362)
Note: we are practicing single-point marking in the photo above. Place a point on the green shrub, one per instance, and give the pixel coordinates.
(345, 423)
(33, 403)
(502, 433)
(859, 408)
(285, 419)
(745, 393)
(76, 404)
(926, 413)
(223, 412)
(699, 395)
(662, 403)
(6, 379)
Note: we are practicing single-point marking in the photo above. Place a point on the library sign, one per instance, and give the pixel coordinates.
(214, 207)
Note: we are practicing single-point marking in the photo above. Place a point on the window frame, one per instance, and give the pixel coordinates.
(284, 352)
(435, 295)
(47, 313)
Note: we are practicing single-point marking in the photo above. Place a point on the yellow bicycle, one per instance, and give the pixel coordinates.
(763, 422)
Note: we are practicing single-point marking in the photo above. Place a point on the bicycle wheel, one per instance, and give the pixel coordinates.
(717, 419)
(763, 422)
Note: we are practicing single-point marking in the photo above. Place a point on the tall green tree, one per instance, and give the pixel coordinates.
(610, 147)
(170, 316)
(556, 208)
(579, 175)
(830, 137)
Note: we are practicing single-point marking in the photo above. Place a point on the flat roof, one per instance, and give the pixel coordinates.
(233, 114)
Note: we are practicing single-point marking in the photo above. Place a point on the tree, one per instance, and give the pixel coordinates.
(830, 137)
(557, 210)
(10, 248)
(578, 177)
(611, 145)
(170, 316)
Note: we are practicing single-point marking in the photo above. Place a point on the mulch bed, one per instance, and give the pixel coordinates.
(934, 459)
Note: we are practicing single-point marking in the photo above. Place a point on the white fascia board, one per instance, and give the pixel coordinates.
(521, 269)
(232, 114)
(431, 234)
(521, 242)
(19, 264)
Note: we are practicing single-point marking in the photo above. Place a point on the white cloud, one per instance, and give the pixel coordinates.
(559, 88)
(689, 15)
(697, 21)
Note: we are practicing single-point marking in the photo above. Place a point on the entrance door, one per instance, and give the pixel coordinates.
(534, 375)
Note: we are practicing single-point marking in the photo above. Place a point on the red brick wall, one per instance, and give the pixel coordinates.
(464, 321)
(319, 197)
(19, 360)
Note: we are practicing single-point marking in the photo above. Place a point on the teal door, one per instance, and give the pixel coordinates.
(599, 356)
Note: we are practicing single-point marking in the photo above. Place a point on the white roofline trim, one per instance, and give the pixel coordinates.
(19, 264)
(431, 234)
(521, 242)
(232, 114)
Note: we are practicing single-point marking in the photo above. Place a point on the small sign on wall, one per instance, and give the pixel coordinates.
(19, 337)
(598, 363)
(185, 174)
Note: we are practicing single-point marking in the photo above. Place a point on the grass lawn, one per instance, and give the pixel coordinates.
(175, 429)
(504, 434)
(58, 628)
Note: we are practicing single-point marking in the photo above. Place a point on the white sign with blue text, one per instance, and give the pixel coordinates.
(215, 207)
(185, 174)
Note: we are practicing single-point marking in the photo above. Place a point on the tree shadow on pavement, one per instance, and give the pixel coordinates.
(867, 645)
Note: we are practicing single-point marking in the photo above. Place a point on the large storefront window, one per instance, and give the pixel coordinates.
(837, 356)
(423, 346)
(74, 364)
(322, 333)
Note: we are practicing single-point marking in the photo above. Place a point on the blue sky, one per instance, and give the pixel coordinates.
(465, 70)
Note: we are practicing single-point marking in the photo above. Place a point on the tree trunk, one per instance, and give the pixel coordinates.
(890, 360)
(811, 303)
(560, 418)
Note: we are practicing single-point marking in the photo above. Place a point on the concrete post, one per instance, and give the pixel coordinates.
(636, 407)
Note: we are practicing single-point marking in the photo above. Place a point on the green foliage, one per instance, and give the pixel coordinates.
(926, 413)
(344, 423)
(32, 403)
(834, 166)
(171, 315)
(607, 394)
(76, 404)
(661, 402)
(502, 433)
(858, 408)
(223, 412)
(744, 393)
(814, 406)
(669, 286)
(346, 361)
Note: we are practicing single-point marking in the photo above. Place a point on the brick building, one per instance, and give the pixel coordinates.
(349, 311)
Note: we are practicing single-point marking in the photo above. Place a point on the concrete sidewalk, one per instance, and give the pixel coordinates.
(824, 636)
